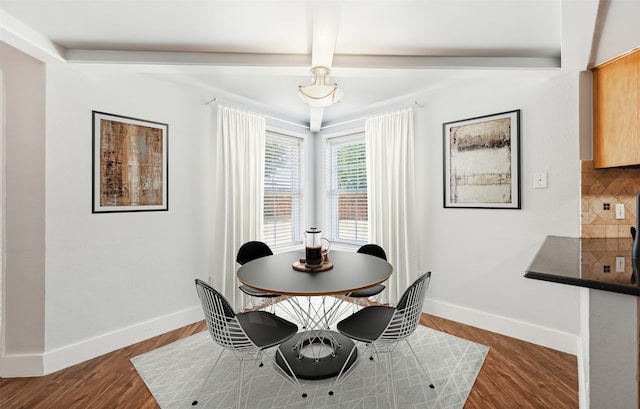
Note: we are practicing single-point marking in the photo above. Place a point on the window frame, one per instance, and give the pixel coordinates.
(298, 214)
(354, 137)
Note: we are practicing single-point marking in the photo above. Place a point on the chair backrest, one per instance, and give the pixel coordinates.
(221, 320)
(252, 250)
(373, 250)
(407, 314)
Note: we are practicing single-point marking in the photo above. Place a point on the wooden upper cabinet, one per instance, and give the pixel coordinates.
(616, 108)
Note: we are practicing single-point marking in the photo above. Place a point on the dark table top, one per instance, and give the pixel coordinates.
(586, 262)
(351, 271)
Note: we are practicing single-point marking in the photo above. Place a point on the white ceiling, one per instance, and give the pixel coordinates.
(256, 52)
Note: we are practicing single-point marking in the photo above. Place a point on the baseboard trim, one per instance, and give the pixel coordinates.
(14, 366)
(535, 334)
(25, 365)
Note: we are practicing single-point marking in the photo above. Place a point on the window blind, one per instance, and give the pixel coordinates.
(347, 189)
(283, 176)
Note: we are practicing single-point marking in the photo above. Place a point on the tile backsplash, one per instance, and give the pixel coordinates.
(601, 190)
(606, 259)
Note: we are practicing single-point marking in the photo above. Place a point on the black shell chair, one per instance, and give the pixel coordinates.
(381, 328)
(247, 335)
(249, 251)
(360, 297)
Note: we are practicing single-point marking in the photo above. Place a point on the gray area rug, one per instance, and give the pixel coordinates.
(174, 374)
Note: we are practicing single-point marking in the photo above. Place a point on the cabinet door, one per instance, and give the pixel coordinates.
(616, 102)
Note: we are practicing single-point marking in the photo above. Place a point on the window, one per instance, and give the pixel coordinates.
(347, 184)
(283, 176)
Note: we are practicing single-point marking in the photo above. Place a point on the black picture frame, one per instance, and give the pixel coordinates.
(481, 162)
(130, 164)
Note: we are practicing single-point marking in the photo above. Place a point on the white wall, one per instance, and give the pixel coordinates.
(24, 310)
(479, 256)
(2, 213)
(111, 279)
(114, 279)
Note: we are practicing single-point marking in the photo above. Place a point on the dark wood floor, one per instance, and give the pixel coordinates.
(515, 374)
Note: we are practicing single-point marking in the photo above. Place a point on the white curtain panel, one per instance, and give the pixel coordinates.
(390, 179)
(240, 151)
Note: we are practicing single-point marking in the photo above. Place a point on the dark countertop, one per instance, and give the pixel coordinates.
(586, 262)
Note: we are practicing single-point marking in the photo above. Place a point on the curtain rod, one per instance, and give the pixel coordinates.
(215, 101)
(415, 105)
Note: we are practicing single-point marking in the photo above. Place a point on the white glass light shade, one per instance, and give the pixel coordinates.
(319, 93)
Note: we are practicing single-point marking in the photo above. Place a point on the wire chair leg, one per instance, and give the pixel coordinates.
(388, 372)
(240, 383)
(289, 375)
(343, 374)
(393, 383)
(195, 402)
(257, 359)
(243, 365)
(419, 365)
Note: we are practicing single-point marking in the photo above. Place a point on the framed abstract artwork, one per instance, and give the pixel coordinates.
(130, 164)
(482, 162)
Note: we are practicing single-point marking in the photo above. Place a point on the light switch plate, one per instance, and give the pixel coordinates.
(620, 264)
(619, 211)
(540, 180)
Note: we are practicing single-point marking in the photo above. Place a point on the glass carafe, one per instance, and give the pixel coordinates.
(313, 248)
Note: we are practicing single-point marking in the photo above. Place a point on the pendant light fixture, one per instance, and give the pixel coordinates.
(320, 94)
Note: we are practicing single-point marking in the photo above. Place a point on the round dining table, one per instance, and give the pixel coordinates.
(351, 271)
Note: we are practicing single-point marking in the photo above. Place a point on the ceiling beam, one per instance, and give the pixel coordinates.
(303, 60)
(187, 58)
(326, 24)
(24, 38)
(581, 22)
(438, 62)
(315, 119)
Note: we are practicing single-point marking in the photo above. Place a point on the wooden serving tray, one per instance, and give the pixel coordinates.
(298, 266)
